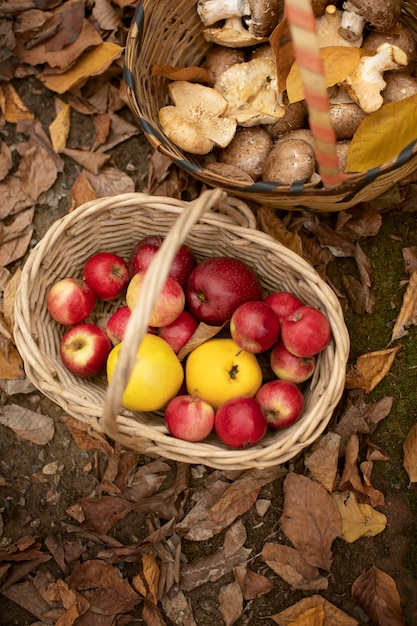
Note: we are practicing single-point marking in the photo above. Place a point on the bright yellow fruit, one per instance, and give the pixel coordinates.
(219, 370)
(156, 376)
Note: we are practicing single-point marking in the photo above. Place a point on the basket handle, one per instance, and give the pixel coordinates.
(302, 25)
(153, 282)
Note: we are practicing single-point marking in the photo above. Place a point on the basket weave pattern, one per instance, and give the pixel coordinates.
(118, 223)
(170, 33)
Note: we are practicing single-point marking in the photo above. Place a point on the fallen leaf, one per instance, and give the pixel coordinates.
(358, 520)
(28, 424)
(251, 583)
(13, 107)
(230, 602)
(408, 313)
(410, 454)
(272, 225)
(311, 617)
(85, 437)
(60, 127)
(333, 616)
(101, 514)
(11, 364)
(283, 50)
(202, 333)
(177, 608)
(410, 259)
(310, 519)
(322, 459)
(289, 564)
(194, 74)
(370, 369)
(91, 161)
(147, 582)
(376, 593)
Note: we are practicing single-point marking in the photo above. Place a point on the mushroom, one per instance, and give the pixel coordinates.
(327, 27)
(366, 82)
(251, 92)
(289, 161)
(402, 38)
(379, 15)
(264, 50)
(195, 124)
(345, 114)
(259, 16)
(219, 58)
(342, 149)
(295, 117)
(248, 150)
(399, 86)
(232, 34)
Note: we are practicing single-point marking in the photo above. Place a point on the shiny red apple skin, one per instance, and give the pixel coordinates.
(70, 301)
(189, 418)
(84, 349)
(116, 324)
(170, 302)
(144, 251)
(107, 274)
(179, 331)
(288, 366)
(240, 423)
(254, 326)
(281, 402)
(306, 331)
(217, 286)
(283, 303)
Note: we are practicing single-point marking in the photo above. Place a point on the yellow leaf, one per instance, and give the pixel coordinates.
(332, 615)
(312, 617)
(59, 128)
(382, 135)
(370, 369)
(338, 62)
(408, 313)
(410, 454)
(11, 364)
(358, 520)
(12, 106)
(147, 582)
(91, 63)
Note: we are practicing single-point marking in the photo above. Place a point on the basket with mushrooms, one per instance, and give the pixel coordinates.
(240, 114)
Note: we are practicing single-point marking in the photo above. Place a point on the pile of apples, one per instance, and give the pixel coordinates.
(221, 384)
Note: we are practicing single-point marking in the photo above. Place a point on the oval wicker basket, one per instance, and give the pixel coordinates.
(116, 224)
(169, 32)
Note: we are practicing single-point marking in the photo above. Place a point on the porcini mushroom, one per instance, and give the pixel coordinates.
(402, 37)
(251, 92)
(248, 150)
(289, 161)
(379, 15)
(345, 114)
(195, 123)
(294, 118)
(219, 58)
(259, 16)
(366, 82)
(398, 87)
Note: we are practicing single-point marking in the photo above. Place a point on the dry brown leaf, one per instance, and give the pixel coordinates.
(351, 422)
(281, 44)
(178, 609)
(322, 459)
(251, 583)
(333, 616)
(359, 296)
(410, 259)
(120, 130)
(27, 424)
(370, 369)
(230, 602)
(16, 236)
(91, 161)
(359, 221)
(86, 438)
(147, 582)
(194, 74)
(82, 191)
(202, 333)
(410, 454)
(289, 564)
(6, 161)
(377, 411)
(13, 107)
(103, 513)
(60, 127)
(358, 520)
(9, 297)
(310, 519)
(90, 63)
(311, 617)
(272, 225)
(408, 313)
(110, 182)
(11, 364)
(376, 593)
(375, 496)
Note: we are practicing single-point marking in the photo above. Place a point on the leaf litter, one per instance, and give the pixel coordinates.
(327, 496)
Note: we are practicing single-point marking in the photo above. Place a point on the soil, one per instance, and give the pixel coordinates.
(36, 503)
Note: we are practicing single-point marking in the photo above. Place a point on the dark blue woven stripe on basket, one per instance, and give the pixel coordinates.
(138, 18)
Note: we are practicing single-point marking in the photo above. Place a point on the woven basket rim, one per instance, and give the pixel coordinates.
(150, 436)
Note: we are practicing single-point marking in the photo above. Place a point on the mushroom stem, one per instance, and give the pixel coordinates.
(352, 24)
(211, 11)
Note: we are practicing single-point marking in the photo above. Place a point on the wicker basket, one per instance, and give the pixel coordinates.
(169, 33)
(117, 224)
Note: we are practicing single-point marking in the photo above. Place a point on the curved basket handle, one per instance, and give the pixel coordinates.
(153, 282)
(302, 25)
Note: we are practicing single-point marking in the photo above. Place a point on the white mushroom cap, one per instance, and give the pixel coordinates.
(195, 124)
(251, 92)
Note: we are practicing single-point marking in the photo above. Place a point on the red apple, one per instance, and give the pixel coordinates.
(217, 286)
(240, 423)
(179, 331)
(144, 251)
(281, 401)
(283, 303)
(254, 326)
(189, 418)
(306, 331)
(288, 366)
(107, 274)
(169, 304)
(116, 324)
(84, 349)
(70, 301)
